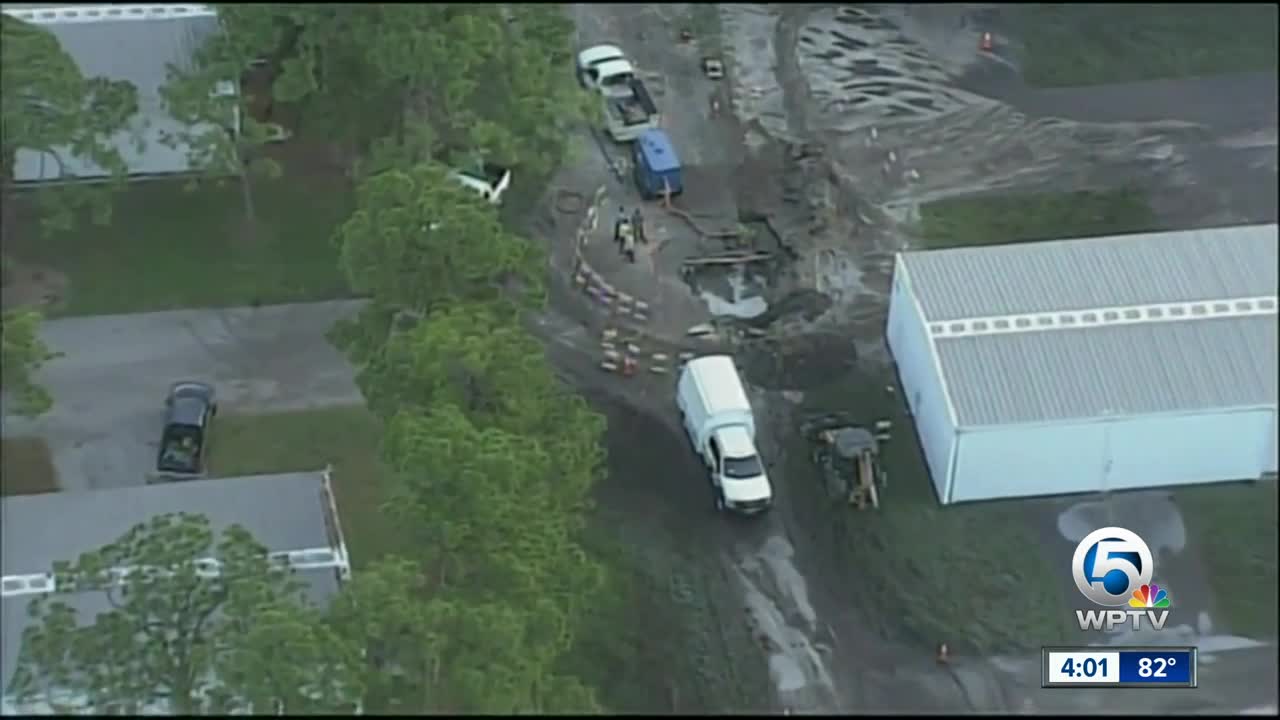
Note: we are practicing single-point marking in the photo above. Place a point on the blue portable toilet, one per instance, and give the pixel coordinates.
(655, 164)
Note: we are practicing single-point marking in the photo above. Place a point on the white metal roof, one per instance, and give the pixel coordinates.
(122, 42)
(292, 514)
(717, 378)
(736, 443)
(1122, 325)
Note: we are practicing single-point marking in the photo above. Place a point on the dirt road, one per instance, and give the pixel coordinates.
(773, 619)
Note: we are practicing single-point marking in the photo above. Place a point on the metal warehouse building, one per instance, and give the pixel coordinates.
(1090, 365)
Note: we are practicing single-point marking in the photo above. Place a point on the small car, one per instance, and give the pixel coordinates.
(189, 408)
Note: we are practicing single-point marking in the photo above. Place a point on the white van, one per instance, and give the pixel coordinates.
(718, 419)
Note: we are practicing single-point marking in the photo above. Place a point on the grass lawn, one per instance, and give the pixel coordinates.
(1000, 219)
(26, 468)
(1095, 44)
(973, 575)
(169, 247)
(1233, 529)
(345, 437)
(632, 627)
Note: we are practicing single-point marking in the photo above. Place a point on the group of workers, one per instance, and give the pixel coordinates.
(627, 230)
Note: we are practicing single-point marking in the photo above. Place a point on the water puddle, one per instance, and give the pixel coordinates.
(776, 600)
(734, 294)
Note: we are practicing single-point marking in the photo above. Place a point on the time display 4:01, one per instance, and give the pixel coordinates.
(1081, 666)
(1088, 667)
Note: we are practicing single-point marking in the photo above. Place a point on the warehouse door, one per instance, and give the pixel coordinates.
(1161, 451)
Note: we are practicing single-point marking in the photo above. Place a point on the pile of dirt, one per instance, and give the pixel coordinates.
(803, 363)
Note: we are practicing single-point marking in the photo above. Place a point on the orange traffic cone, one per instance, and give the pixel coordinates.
(985, 45)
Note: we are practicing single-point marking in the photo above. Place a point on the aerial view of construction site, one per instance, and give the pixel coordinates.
(814, 144)
(900, 318)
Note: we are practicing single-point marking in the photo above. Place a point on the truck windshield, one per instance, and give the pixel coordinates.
(743, 468)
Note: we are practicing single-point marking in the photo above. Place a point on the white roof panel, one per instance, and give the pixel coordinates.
(136, 43)
(1094, 272)
(736, 442)
(718, 379)
(1125, 325)
(1119, 370)
(284, 512)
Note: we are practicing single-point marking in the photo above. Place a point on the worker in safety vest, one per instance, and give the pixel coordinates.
(628, 238)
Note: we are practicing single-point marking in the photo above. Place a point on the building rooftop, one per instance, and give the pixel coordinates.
(136, 43)
(1119, 270)
(1124, 325)
(291, 513)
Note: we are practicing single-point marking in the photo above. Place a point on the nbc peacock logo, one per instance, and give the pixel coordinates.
(1149, 596)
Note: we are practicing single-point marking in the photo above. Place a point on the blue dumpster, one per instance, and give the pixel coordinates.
(656, 165)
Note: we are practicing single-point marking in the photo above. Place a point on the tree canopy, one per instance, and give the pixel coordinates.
(177, 632)
(492, 464)
(418, 239)
(434, 650)
(492, 460)
(23, 353)
(489, 81)
(49, 106)
(480, 360)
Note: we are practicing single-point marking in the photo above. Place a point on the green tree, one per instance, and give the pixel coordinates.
(455, 83)
(431, 650)
(419, 239)
(179, 632)
(480, 360)
(23, 353)
(49, 106)
(318, 58)
(488, 509)
(218, 129)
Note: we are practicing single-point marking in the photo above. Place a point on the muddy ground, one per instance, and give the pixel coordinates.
(844, 119)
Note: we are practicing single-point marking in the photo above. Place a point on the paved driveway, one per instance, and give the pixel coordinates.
(108, 388)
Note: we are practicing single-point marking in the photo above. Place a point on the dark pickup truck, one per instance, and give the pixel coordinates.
(189, 408)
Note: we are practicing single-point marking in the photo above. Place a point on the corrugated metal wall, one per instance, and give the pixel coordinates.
(1118, 454)
(1270, 461)
(1027, 460)
(1189, 449)
(921, 383)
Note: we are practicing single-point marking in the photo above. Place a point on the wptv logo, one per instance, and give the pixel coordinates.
(1112, 568)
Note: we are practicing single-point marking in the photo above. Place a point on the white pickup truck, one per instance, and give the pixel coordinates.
(717, 416)
(628, 107)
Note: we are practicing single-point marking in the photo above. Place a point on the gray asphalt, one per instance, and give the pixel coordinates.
(1226, 104)
(109, 386)
(1235, 166)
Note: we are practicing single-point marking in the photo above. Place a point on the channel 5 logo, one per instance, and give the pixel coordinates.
(1112, 568)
